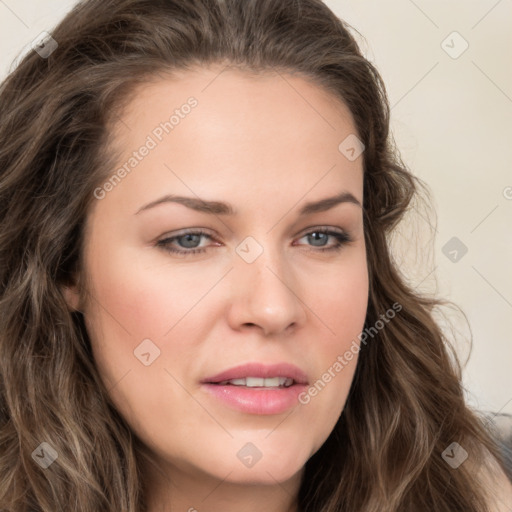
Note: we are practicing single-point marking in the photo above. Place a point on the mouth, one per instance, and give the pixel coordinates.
(258, 382)
(260, 375)
(256, 388)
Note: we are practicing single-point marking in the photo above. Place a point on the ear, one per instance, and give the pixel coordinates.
(72, 296)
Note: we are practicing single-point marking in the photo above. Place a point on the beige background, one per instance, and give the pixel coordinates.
(451, 118)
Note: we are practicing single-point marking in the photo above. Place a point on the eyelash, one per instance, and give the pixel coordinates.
(341, 240)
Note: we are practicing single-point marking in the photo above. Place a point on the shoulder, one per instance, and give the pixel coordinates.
(497, 485)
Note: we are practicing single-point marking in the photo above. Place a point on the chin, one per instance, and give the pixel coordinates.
(275, 465)
(264, 474)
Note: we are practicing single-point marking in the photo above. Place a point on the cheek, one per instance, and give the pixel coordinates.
(339, 296)
(136, 308)
(146, 299)
(341, 305)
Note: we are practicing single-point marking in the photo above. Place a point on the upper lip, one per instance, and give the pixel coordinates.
(260, 370)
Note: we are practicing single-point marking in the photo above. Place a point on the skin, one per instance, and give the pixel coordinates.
(266, 144)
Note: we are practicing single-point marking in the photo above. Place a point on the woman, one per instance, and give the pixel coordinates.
(199, 308)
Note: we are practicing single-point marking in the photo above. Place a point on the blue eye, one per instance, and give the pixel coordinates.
(323, 234)
(189, 241)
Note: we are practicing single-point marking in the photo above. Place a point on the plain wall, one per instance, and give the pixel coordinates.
(451, 119)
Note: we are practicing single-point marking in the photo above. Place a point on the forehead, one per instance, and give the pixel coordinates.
(263, 103)
(214, 130)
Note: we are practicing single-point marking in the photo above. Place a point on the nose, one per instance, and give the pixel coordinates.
(265, 295)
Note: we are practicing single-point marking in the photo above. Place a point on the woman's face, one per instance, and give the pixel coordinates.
(254, 289)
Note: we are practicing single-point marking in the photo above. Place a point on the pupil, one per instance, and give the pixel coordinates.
(315, 236)
(190, 238)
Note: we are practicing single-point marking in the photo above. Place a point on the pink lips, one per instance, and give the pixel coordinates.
(260, 370)
(257, 400)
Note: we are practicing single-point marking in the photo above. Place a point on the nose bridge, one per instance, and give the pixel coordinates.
(264, 288)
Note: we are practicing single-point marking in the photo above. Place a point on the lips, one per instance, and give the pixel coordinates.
(250, 388)
(259, 371)
(254, 382)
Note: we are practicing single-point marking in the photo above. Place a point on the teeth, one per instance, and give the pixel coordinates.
(259, 382)
(236, 382)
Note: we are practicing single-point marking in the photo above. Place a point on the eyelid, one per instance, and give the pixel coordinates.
(321, 227)
(186, 231)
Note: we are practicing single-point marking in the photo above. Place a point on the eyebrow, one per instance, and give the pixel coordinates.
(220, 208)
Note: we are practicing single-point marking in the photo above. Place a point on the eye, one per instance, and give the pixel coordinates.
(321, 235)
(188, 242)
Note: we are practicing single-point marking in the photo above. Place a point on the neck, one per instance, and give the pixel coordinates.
(175, 490)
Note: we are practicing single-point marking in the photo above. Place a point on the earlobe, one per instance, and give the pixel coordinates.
(72, 297)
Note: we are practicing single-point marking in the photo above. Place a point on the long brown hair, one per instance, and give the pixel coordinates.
(406, 402)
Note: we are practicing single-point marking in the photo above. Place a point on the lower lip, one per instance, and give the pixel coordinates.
(257, 400)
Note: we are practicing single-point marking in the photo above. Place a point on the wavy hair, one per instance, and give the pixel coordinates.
(406, 402)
